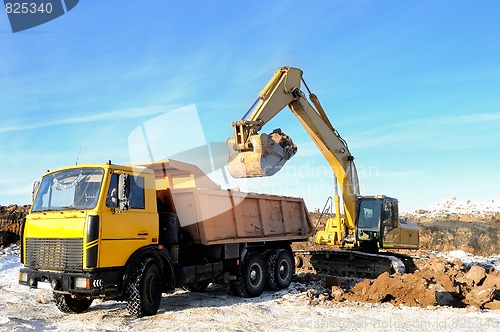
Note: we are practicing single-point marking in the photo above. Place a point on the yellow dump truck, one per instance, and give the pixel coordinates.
(131, 233)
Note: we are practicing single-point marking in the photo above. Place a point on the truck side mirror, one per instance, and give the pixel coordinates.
(124, 192)
(36, 185)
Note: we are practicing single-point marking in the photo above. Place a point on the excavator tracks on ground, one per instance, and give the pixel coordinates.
(348, 263)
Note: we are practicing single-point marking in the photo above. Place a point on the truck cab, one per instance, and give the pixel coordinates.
(76, 220)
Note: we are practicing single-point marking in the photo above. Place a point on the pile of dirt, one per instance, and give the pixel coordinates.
(435, 282)
(10, 223)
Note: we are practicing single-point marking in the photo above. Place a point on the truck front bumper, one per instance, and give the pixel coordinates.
(103, 284)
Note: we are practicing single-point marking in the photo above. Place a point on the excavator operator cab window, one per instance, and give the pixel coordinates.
(369, 214)
(390, 220)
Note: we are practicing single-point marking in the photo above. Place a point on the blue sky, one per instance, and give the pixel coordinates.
(413, 86)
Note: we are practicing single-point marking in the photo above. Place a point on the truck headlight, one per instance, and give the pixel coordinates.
(23, 277)
(82, 283)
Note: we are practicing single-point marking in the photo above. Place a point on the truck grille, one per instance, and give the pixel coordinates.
(55, 254)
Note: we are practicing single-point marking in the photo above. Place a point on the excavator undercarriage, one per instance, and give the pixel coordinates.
(350, 263)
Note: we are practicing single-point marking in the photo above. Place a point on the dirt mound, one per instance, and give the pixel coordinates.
(10, 222)
(436, 282)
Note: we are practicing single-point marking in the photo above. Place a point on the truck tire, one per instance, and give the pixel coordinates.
(144, 289)
(282, 267)
(70, 305)
(252, 280)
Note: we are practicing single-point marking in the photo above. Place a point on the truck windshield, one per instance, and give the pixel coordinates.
(75, 189)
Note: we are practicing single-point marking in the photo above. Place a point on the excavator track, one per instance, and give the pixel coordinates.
(348, 263)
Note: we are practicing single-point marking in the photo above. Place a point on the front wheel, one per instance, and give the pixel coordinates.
(144, 289)
(70, 305)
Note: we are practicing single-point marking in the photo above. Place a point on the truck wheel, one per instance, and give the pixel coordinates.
(70, 305)
(284, 268)
(252, 280)
(144, 289)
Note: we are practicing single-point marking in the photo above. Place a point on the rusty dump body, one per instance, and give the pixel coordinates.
(225, 216)
(215, 216)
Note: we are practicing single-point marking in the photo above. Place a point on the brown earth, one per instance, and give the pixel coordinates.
(435, 282)
(10, 223)
(478, 238)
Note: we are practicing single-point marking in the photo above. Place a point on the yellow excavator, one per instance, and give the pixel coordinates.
(369, 223)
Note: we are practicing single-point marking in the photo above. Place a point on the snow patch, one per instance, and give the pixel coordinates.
(469, 259)
(455, 206)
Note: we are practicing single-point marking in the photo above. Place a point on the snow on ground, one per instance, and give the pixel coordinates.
(454, 206)
(22, 309)
(469, 259)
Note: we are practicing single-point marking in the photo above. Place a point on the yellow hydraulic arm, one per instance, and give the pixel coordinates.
(253, 154)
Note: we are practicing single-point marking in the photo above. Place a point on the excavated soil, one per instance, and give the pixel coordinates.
(435, 282)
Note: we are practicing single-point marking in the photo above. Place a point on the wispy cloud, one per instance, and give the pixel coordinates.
(429, 131)
(482, 117)
(121, 114)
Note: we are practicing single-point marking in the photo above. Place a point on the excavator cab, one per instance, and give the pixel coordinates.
(373, 213)
(378, 225)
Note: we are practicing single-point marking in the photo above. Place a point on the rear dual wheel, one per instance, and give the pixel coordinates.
(280, 269)
(252, 280)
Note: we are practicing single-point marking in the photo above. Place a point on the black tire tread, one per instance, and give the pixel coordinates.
(135, 305)
(271, 273)
(241, 286)
(69, 305)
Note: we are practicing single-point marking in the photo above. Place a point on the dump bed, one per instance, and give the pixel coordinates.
(224, 216)
(212, 215)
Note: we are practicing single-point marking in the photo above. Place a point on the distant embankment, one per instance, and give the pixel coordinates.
(10, 222)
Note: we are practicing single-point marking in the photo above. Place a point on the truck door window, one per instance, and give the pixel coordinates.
(137, 192)
(112, 196)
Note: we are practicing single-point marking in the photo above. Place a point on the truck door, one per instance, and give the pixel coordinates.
(124, 232)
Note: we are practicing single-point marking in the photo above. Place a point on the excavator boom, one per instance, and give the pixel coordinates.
(252, 154)
(369, 222)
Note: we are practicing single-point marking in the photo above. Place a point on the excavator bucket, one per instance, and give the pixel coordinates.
(269, 153)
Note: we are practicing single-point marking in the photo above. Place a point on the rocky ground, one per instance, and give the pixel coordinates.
(438, 280)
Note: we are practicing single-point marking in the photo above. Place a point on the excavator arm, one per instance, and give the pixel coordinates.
(253, 154)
